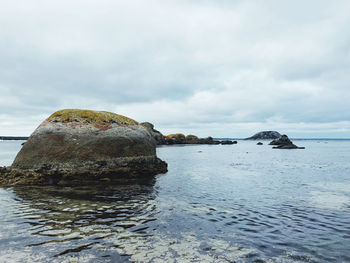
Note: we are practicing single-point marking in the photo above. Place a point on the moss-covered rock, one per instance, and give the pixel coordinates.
(84, 146)
(191, 137)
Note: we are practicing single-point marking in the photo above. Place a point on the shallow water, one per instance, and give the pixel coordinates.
(217, 203)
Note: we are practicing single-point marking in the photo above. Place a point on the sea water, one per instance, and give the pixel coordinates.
(217, 203)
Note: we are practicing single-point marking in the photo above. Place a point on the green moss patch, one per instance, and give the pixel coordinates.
(90, 116)
(176, 136)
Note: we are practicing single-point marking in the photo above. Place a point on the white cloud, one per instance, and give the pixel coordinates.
(177, 63)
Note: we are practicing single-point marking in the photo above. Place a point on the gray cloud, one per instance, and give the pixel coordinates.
(190, 65)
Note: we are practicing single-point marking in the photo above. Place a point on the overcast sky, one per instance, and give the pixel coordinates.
(219, 68)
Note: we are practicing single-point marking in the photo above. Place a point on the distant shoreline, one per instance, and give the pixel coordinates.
(297, 139)
(24, 138)
(13, 138)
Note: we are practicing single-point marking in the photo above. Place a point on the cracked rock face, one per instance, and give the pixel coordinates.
(94, 143)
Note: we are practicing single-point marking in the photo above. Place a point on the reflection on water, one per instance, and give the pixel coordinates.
(241, 203)
(113, 224)
(65, 221)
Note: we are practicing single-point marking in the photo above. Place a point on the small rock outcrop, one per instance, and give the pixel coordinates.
(84, 147)
(157, 135)
(191, 138)
(265, 135)
(259, 143)
(180, 138)
(284, 143)
(177, 138)
(228, 142)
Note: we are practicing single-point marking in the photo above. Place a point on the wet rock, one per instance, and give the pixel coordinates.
(265, 135)
(83, 147)
(284, 143)
(228, 142)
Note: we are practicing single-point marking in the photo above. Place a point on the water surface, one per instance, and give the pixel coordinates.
(217, 203)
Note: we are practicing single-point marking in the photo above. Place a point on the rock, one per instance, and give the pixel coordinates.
(85, 147)
(284, 143)
(283, 140)
(180, 138)
(177, 138)
(191, 139)
(208, 140)
(227, 142)
(157, 135)
(259, 143)
(265, 135)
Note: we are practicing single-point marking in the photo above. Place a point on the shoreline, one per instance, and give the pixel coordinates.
(13, 138)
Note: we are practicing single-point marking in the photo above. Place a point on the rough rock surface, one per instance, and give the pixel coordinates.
(284, 143)
(265, 135)
(157, 135)
(83, 146)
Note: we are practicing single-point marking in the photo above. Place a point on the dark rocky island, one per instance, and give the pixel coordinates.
(284, 143)
(74, 147)
(265, 135)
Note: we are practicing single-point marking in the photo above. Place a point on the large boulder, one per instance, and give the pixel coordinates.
(284, 143)
(84, 146)
(265, 135)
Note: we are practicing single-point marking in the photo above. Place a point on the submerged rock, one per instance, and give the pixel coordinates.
(284, 143)
(265, 135)
(83, 147)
